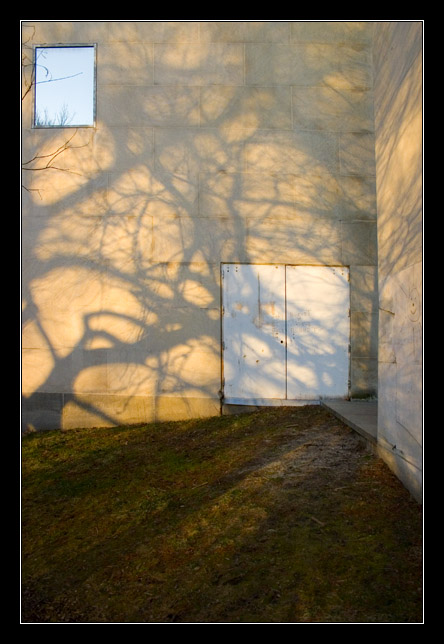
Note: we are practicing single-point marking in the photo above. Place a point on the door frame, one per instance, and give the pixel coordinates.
(259, 401)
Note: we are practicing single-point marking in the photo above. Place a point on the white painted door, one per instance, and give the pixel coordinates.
(253, 332)
(318, 332)
(286, 333)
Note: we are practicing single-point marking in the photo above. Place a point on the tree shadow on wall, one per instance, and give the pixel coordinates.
(121, 258)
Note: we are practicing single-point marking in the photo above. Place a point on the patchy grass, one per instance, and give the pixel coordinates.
(281, 515)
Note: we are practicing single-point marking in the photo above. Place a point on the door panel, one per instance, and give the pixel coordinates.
(254, 331)
(318, 332)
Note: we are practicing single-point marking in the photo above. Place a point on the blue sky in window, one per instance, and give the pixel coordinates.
(65, 84)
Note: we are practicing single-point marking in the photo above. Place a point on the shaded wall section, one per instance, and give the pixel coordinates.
(214, 142)
(398, 130)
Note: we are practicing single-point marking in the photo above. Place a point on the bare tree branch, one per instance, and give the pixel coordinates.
(53, 80)
(53, 155)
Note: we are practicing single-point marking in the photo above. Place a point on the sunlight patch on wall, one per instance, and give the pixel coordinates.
(132, 378)
(119, 327)
(61, 290)
(37, 358)
(121, 242)
(196, 294)
(63, 163)
(194, 365)
(139, 191)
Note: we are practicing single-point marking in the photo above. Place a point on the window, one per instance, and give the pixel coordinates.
(65, 86)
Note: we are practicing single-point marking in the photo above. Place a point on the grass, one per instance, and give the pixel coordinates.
(277, 516)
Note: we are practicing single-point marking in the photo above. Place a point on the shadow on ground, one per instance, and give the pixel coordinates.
(276, 516)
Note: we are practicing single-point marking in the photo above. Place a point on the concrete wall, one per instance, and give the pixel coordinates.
(214, 142)
(398, 127)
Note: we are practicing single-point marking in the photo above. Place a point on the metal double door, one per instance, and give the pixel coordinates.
(285, 333)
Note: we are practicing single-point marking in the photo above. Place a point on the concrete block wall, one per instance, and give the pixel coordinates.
(214, 142)
(398, 126)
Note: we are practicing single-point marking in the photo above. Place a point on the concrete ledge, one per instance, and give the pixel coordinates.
(360, 415)
(184, 408)
(42, 411)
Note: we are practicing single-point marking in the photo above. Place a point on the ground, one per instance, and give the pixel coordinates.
(277, 516)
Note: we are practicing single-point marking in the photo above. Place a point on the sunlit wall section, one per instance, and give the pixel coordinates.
(398, 125)
(212, 142)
